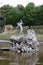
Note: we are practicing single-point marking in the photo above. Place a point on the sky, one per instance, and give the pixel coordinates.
(23, 2)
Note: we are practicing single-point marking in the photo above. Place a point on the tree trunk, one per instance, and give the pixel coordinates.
(29, 26)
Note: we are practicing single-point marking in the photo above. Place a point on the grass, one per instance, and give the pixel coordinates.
(7, 37)
(39, 37)
(38, 30)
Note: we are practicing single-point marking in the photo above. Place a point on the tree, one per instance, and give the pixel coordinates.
(5, 11)
(13, 16)
(30, 12)
(20, 7)
(31, 15)
(40, 15)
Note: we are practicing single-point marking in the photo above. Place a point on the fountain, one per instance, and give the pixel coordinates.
(31, 35)
(22, 43)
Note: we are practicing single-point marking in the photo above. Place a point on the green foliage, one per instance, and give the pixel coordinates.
(13, 16)
(40, 14)
(30, 11)
(31, 15)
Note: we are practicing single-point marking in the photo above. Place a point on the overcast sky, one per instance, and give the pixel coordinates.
(23, 2)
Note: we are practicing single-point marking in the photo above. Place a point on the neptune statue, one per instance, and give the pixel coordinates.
(20, 26)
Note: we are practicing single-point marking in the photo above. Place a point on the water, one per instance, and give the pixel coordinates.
(11, 58)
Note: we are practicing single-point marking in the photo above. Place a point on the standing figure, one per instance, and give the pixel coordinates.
(20, 26)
